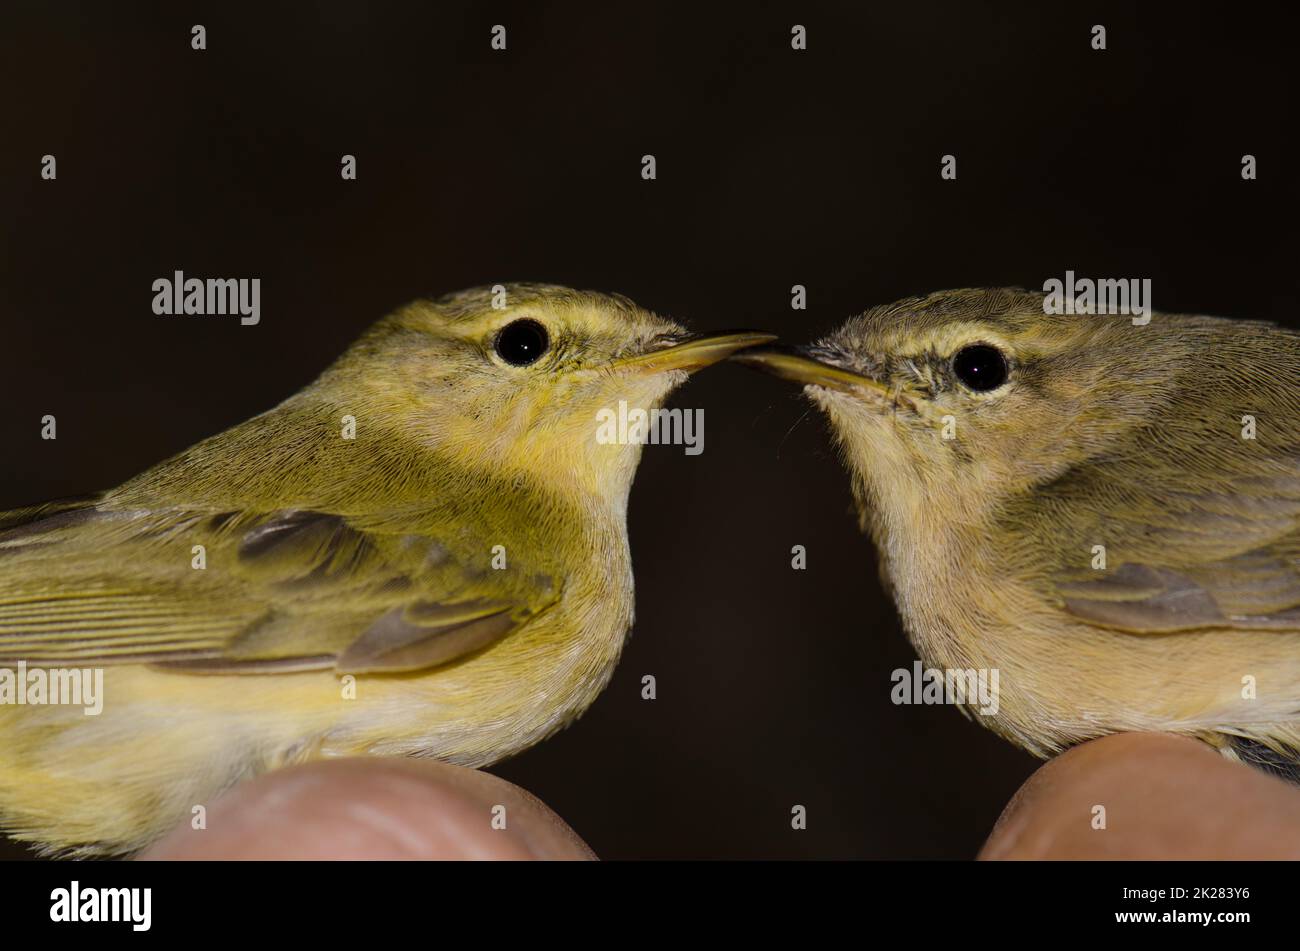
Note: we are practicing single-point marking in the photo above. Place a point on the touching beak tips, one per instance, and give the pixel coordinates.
(791, 363)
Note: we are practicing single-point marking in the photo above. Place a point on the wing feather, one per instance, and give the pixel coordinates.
(277, 591)
(1185, 560)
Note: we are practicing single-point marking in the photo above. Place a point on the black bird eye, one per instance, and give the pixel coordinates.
(980, 367)
(521, 342)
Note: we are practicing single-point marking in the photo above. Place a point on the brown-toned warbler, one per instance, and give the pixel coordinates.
(1105, 511)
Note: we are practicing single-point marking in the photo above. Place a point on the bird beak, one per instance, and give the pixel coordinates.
(794, 363)
(695, 352)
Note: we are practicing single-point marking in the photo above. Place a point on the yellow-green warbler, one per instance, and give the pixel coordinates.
(424, 552)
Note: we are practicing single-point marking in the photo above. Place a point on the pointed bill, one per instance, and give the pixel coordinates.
(695, 353)
(791, 363)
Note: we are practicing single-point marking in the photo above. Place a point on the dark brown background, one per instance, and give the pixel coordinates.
(775, 168)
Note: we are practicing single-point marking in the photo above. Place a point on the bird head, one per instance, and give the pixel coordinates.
(954, 401)
(511, 379)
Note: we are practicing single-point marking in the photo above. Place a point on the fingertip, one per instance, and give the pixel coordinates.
(1147, 796)
(375, 809)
